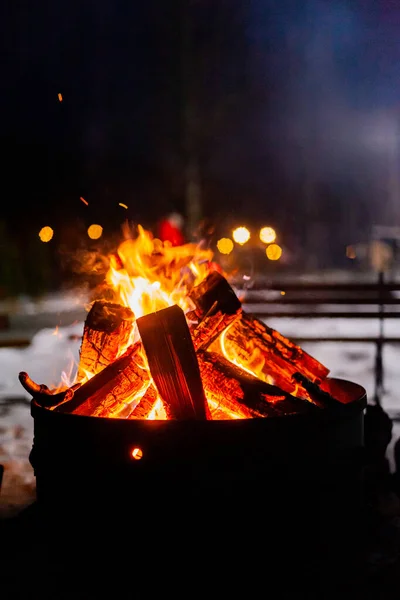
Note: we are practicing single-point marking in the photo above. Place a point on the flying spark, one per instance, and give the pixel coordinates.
(123, 205)
(60, 98)
(84, 201)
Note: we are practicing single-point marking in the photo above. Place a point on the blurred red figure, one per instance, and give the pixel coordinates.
(171, 229)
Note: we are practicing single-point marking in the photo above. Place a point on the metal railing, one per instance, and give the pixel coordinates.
(372, 301)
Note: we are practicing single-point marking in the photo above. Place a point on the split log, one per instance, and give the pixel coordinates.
(121, 380)
(107, 329)
(229, 385)
(173, 362)
(250, 341)
(216, 307)
(246, 338)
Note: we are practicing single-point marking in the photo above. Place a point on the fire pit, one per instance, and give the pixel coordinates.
(186, 406)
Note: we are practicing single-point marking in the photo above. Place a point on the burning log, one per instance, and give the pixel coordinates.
(122, 379)
(147, 403)
(217, 306)
(248, 340)
(42, 394)
(107, 329)
(230, 386)
(173, 362)
(319, 396)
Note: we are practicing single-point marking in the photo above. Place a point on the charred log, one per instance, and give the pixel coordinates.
(42, 394)
(319, 396)
(246, 338)
(173, 363)
(214, 293)
(252, 343)
(225, 383)
(107, 329)
(122, 379)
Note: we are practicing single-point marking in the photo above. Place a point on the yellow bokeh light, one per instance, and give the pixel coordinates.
(267, 235)
(95, 232)
(46, 233)
(241, 235)
(273, 252)
(225, 245)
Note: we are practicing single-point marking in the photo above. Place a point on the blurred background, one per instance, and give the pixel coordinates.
(257, 114)
(267, 130)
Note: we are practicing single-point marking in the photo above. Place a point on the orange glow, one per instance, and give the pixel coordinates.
(157, 412)
(95, 232)
(155, 275)
(122, 204)
(273, 252)
(267, 235)
(241, 235)
(137, 453)
(46, 234)
(147, 275)
(84, 201)
(225, 245)
(60, 98)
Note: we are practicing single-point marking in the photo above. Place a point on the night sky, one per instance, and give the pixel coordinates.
(296, 106)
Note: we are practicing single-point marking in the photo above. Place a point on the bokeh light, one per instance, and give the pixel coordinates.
(241, 235)
(95, 232)
(46, 234)
(225, 245)
(273, 252)
(267, 235)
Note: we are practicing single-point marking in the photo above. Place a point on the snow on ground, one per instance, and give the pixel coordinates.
(56, 302)
(51, 353)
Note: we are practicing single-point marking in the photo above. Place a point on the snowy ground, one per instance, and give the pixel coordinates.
(53, 352)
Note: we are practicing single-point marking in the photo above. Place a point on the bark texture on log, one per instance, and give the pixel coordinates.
(224, 381)
(213, 294)
(111, 386)
(107, 329)
(248, 340)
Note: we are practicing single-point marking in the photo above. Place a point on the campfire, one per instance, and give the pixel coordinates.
(167, 338)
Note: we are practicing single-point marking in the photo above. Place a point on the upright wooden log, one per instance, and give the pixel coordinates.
(173, 362)
(228, 384)
(107, 330)
(122, 379)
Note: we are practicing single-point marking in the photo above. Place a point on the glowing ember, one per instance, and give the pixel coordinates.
(123, 205)
(60, 98)
(84, 201)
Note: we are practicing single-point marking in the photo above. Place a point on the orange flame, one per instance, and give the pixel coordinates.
(148, 275)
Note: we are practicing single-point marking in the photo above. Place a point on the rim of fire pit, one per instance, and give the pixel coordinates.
(353, 400)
